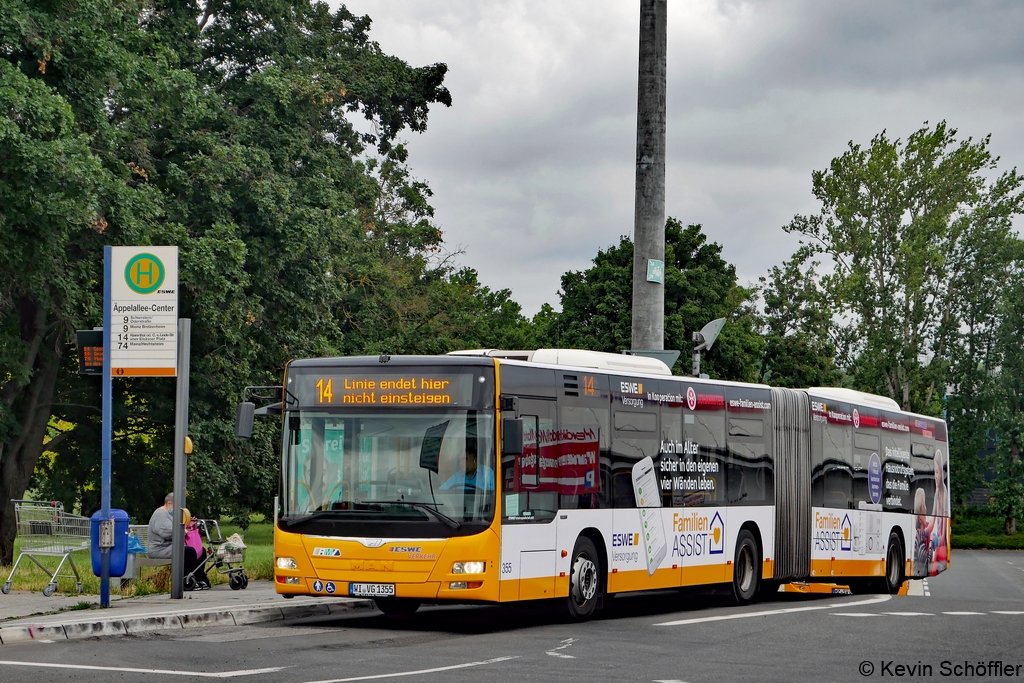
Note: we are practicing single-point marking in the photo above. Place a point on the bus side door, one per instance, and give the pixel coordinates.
(528, 537)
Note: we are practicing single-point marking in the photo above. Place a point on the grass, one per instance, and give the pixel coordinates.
(979, 529)
(970, 529)
(258, 563)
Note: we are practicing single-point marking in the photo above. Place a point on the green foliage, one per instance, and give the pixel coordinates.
(699, 287)
(974, 528)
(915, 233)
(1008, 408)
(224, 129)
(799, 330)
(63, 67)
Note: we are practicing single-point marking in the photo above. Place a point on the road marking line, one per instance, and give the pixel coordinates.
(420, 671)
(786, 610)
(916, 588)
(910, 614)
(854, 614)
(564, 644)
(963, 614)
(1003, 612)
(165, 672)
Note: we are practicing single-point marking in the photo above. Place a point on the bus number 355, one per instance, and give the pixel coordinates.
(506, 567)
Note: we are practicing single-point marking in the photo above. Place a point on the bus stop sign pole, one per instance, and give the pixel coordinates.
(106, 431)
(180, 462)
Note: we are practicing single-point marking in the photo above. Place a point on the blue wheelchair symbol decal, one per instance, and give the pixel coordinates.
(318, 585)
(330, 587)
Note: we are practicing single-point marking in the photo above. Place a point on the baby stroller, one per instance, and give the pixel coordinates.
(222, 554)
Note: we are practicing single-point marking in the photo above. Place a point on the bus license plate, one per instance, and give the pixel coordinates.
(371, 590)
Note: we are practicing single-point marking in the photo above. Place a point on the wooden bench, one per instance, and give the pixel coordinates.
(141, 531)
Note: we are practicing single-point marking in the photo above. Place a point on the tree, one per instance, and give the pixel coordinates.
(223, 129)
(1008, 408)
(58, 201)
(799, 332)
(700, 286)
(911, 229)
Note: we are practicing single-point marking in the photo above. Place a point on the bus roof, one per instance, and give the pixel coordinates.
(859, 397)
(598, 360)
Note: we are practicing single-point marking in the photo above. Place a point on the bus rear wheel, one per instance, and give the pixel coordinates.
(397, 607)
(746, 568)
(584, 580)
(894, 565)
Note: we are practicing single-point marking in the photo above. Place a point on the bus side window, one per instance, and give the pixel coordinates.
(897, 465)
(706, 429)
(922, 456)
(750, 478)
(832, 459)
(584, 421)
(866, 443)
(533, 495)
(838, 466)
(671, 449)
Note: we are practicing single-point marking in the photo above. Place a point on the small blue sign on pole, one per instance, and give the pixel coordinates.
(656, 271)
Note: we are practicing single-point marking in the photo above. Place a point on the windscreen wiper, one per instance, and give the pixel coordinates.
(420, 506)
(316, 514)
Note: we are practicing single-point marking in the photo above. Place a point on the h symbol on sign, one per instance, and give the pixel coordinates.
(148, 272)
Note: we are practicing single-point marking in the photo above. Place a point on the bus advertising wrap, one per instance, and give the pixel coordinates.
(563, 460)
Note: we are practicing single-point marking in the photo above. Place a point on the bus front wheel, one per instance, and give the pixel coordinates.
(746, 568)
(584, 580)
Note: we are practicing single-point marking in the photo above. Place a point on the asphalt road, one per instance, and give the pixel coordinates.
(972, 615)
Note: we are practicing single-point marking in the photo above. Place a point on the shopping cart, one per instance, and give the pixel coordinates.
(46, 530)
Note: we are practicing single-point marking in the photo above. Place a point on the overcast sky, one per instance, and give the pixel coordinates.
(532, 167)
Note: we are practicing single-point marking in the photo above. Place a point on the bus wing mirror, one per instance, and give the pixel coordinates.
(244, 419)
(512, 436)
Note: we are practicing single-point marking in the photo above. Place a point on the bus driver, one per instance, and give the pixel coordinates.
(473, 478)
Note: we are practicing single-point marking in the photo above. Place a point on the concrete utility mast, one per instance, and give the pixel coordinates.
(649, 217)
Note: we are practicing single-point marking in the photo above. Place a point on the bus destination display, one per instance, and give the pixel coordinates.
(407, 390)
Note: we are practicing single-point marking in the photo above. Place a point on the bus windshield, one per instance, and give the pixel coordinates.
(388, 473)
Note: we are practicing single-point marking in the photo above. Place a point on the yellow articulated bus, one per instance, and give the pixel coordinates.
(498, 476)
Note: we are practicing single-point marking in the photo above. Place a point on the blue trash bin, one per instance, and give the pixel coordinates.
(119, 553)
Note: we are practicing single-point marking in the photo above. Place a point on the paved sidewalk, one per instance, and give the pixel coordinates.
(22, 616)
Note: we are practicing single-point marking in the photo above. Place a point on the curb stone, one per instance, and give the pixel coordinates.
(94, 629)
(24, 634)
(143, 624)
(219, 618)
(302, 611)
(257, 616)
(74, 630)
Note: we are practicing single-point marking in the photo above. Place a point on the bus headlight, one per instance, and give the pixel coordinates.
(469, 567)
(287, 563)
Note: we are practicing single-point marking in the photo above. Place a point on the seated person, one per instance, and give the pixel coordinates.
(161, 540)
(472, 478)
(161, 530)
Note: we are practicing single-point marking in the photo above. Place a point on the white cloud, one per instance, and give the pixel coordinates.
(532, 168)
